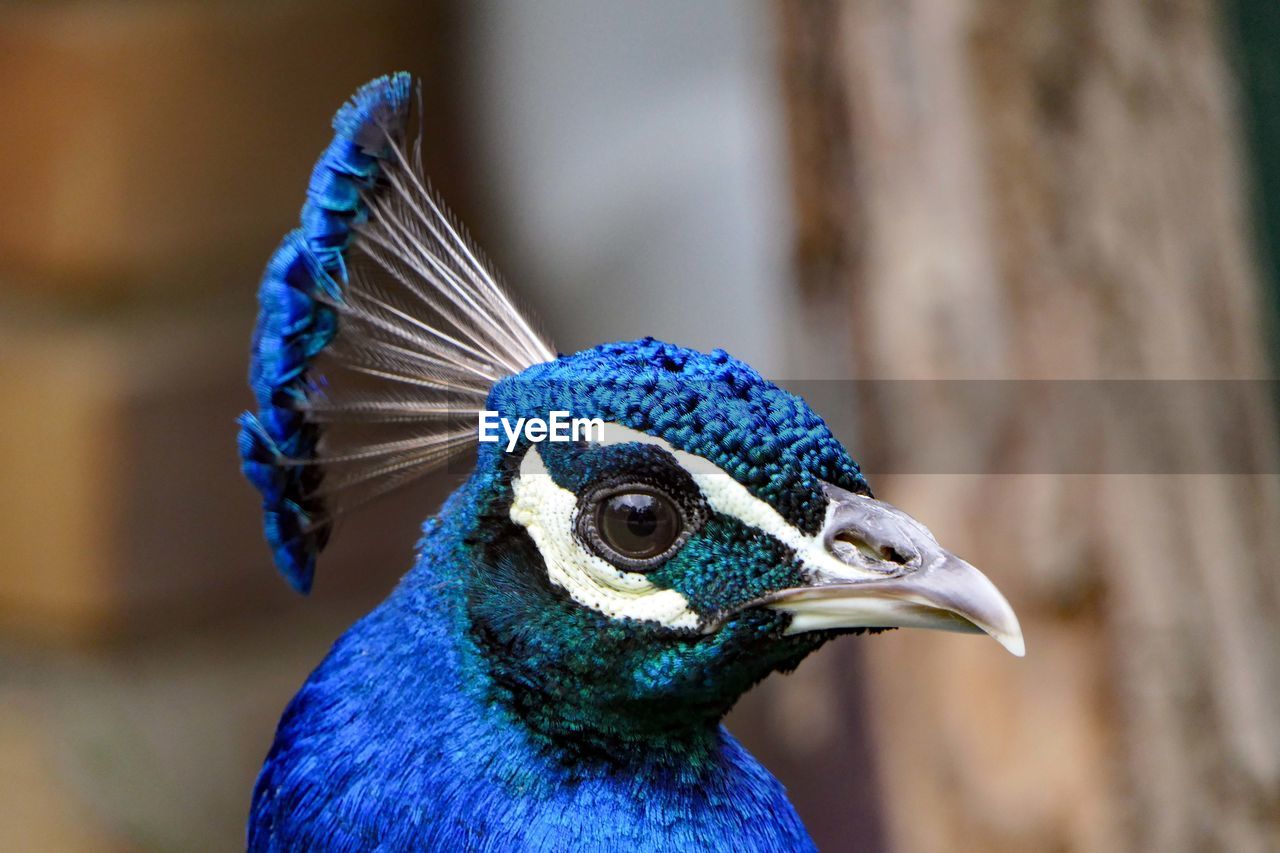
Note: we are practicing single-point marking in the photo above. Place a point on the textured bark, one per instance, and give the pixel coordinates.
(1052, 190)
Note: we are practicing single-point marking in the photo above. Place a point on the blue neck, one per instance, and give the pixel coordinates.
(398, 739)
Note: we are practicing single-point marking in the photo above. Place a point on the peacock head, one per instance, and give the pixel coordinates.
(702, 530)
(695, 528)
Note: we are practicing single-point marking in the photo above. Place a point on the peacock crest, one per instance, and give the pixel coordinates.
(380, 332)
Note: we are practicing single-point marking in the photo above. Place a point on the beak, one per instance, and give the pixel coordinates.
(877, 567)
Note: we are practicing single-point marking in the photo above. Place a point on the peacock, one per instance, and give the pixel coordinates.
(552, 672)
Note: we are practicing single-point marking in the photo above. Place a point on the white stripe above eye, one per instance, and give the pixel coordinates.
(727, 496)
(548, 512)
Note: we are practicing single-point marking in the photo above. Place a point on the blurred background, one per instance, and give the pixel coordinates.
(919, 193)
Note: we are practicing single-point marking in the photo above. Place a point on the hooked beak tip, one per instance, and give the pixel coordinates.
(1012, 641)
(981, 602)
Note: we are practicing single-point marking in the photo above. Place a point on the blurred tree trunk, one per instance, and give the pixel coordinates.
(1052, 190)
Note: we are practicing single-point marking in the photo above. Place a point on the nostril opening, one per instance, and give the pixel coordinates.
(846, 542)
(892, 555)
(848, 545)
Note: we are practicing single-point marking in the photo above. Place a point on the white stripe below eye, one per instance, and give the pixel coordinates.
(547, 511)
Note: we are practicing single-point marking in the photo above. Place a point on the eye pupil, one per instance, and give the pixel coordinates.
(638, 525)
(642, 521)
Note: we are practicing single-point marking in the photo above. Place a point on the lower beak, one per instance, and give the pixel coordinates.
(952, 596)
(928, 588)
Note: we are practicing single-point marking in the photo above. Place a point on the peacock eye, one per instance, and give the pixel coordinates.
(636, 528)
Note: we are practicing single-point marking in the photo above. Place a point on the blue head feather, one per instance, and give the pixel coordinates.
(308, 270)
(708, 404)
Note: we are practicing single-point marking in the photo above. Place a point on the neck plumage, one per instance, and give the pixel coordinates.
(402, 736)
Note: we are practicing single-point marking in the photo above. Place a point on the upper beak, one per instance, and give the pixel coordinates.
(876, 567)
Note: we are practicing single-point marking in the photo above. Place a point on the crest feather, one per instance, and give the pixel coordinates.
(381, 329)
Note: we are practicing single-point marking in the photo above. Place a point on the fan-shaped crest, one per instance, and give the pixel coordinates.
(380, 330)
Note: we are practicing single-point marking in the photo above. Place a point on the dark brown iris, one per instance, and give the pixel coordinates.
(638, 525)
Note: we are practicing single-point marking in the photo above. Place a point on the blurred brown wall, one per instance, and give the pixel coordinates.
(151, 155)
(1054, 191)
